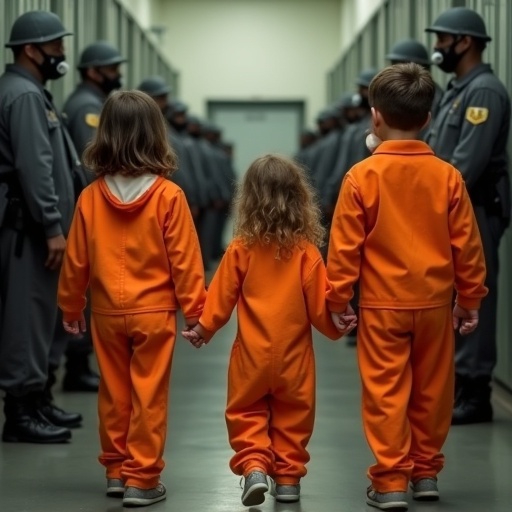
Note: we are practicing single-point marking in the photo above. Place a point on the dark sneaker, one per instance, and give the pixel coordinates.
(255, 487)
(135, 497)
(425, 489)
(115, 487)
(395, 501)
(287, 493)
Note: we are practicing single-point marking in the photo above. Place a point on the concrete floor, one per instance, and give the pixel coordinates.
(68, 478)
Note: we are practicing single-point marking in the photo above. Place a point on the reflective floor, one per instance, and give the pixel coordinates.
(67, 478)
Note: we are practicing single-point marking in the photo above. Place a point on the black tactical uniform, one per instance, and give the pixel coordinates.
(471, 132)
(37, 171)
(158, 89)
(83, 107)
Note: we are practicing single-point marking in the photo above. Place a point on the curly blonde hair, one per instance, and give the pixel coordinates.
(275, 203)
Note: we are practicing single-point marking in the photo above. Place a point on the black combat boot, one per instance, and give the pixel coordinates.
(474, 402)
(24, 423)
(54, 414)
(79, 375)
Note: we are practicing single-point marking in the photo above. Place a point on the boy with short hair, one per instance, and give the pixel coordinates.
(404, 226)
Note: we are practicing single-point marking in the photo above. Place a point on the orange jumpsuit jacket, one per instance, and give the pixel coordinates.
(136, 257)
(404, 223)
(277, 300)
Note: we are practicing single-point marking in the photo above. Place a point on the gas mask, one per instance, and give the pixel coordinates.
(446, 58)
(361, 101)
(372, 142)
(52, 67)
(109, 84)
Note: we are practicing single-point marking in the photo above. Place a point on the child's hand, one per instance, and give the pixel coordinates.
(196, 335)
(466, 320)
(76, 326)
(193, 337)
(345, 321)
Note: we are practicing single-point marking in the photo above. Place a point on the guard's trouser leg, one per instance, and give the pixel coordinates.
(206, 234)
(406, 364)
(28, 292)
(475, 354)
(134, 355)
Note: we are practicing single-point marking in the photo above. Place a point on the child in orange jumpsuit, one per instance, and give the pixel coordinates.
(133, 243)
(273, 272)
(405, 227)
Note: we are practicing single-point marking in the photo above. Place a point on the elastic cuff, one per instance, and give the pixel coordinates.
(141, 483)
(251, 468)
(286, 480)
(52, 230)
(336, 307)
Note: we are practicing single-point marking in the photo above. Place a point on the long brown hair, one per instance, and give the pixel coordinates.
(276, 204)
(131, 138)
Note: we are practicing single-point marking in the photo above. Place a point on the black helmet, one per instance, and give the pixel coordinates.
(154, 86)
(100, 53)
(365, 77)
(409, 50)
(347, 100)
(178, 107)
(328, 113)
(460, 21)
(36, 27)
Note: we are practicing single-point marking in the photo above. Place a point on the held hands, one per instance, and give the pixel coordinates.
(466, 320)
(196, 335)
(345, 321)
(76, 326)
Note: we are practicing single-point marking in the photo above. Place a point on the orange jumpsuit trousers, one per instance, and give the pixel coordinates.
(406, 362)
(271, 407)
(134, 355)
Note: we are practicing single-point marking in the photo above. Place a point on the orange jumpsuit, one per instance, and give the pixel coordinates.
(141, 261)
(405, 226)
(271, 377)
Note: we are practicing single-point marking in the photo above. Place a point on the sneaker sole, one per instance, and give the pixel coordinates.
(142, 502)
(291, 498)
(35, 440)
(115, 492)
(255, 495)
(426, 496)
(397, 506)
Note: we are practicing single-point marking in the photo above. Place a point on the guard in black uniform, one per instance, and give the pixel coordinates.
(37, 172)
(156, 87)
(99, 68)
(471, 132)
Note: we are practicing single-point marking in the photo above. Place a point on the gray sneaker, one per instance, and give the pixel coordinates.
(255, 487)
(425, 489)
(135, 497)
(387, 500)
(287, 493)
(115, 487)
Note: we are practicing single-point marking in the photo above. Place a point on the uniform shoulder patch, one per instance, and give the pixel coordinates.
(92, 120)
(477, 115)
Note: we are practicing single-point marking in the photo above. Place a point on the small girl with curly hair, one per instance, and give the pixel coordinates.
(274, 273)
(133, 244)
